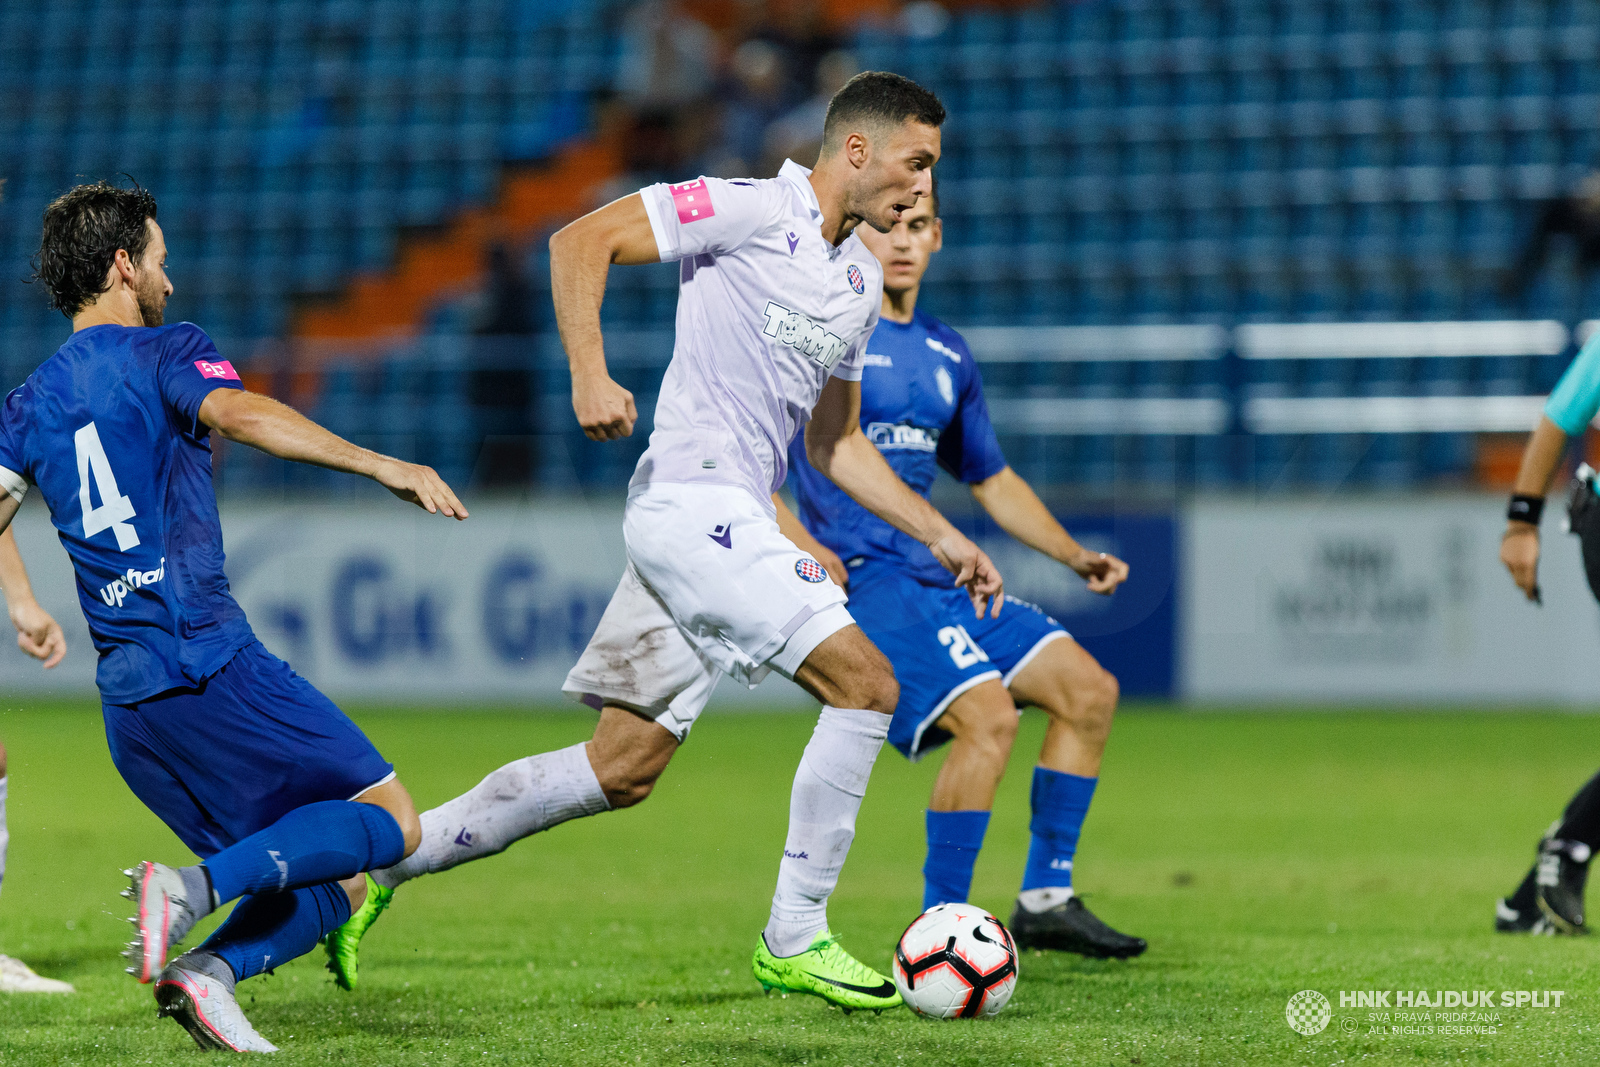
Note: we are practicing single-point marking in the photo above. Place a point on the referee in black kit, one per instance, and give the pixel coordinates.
(1550, 898)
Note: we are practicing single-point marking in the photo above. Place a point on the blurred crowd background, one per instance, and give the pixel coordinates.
(1196, 244)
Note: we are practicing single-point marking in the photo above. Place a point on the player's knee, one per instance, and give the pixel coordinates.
(1093, 702)
(992, 733)
(880, 691)
(1000, 730)
(1103, 693)
(625, 786)
(872, 687)
(626, 792)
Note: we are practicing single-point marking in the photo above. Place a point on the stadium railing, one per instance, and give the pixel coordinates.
(1101, 408)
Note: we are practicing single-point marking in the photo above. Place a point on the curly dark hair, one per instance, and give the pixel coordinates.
(879, 96)
(83, 228)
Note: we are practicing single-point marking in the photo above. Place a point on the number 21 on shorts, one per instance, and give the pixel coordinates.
(115, 509)
(964, 651)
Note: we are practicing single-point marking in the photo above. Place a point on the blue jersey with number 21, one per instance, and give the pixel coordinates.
(108, 428)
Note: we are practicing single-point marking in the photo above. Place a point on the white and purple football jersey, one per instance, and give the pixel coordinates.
(768, 310)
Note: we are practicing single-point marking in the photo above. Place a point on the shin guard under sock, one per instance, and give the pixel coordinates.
(322, 842)
(1060, 803)
(828, 787)
(954, 838)
(267, 930)
(522, 798)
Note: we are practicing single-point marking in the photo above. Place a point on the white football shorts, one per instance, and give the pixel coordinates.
(712, 588)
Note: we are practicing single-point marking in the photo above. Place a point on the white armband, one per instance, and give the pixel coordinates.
(14, 484)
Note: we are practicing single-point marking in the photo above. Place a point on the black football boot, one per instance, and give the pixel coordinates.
(1071, 927)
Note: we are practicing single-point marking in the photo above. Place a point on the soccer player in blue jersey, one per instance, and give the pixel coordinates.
(962, 679)
(282, 796)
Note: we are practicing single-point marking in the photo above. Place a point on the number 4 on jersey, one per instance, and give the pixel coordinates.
(115, 509)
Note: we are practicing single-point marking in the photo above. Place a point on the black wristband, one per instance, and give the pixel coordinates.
(1529, 509)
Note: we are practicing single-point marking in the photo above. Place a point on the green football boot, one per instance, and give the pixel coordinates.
(344, 944)
(825, 970)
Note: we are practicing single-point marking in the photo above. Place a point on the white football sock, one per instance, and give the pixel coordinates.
(521, 798)
(5, 836)
(1041, 900)
(828, 787)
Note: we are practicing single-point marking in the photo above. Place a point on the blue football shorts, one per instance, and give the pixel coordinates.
(938, 648)
(239, 751)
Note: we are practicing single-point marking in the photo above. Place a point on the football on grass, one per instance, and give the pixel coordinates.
(956, 961)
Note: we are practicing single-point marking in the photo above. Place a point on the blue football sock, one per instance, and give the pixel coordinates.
(267, 930)
(322, 842)
(954, 838)
(1060, 801)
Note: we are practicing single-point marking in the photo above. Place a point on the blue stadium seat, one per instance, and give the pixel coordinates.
(1108, 161)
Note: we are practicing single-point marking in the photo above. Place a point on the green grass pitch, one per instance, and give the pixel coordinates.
(1261, 854)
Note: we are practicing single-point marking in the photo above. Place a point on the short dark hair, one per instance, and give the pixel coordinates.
(83, 228)
(878, 96)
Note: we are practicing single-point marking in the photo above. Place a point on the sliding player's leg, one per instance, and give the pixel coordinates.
(1551, 896)
(264, 930)
(266, 780)
(16, 976)
(1059, 677)
(197, 989)
(320, 842)
(797, 952)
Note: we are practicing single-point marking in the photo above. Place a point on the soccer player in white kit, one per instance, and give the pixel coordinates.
(777, 298)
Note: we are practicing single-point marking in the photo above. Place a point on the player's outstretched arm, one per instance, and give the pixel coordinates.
(790, 526)
(1519, 545)
(38, 634)
(1017, 509)
(836, 446)
(279, 430)
(581, 254)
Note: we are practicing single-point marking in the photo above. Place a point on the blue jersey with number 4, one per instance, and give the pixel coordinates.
(922, 405)
(108, 428)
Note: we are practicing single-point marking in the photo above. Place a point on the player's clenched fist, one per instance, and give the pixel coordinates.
(420, 485)
(38, 634)
(973, 570)
(605, 409)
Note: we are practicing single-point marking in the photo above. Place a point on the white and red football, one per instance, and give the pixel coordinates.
(956, 961)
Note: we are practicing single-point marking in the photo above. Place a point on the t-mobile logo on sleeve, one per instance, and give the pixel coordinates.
(216, 369)
(800, 333)
(693, 200)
